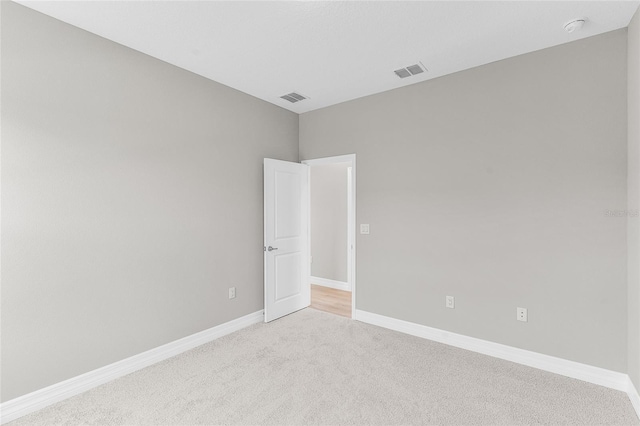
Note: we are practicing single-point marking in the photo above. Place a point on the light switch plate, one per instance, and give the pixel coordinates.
(364, 228)
(450, 302)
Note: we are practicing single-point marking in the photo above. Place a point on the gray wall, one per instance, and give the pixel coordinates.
(132, 200)
(633, 238)
(491, 185)
(329, 221)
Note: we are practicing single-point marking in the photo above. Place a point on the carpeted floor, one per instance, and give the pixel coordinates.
(313, 367)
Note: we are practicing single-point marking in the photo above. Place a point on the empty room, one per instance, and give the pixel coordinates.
(320, 212)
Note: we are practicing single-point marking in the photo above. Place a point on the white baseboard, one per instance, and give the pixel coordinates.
(18, 407)
(326, 282)
(634, 397)
(39, 399)
(576, 370)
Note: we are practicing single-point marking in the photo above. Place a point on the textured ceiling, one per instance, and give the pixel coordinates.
(333, 51)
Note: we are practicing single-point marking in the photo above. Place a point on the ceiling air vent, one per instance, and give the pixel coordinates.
(402, 73)
(293, 97)
(415, 69)
(410, 70)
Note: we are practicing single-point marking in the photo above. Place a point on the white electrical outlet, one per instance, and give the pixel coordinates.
(232, 292)
(522, 314)
(364, 228)
(450, 302)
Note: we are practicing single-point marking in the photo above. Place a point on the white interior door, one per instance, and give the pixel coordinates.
(286, 238)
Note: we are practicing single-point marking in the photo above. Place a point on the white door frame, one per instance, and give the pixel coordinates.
(351, 222)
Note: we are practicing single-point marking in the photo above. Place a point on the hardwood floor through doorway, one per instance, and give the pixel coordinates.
(330, 300)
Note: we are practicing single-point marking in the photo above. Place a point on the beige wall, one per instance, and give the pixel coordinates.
(329, 221)
(633, 237)
(491, 185)
(132, 200)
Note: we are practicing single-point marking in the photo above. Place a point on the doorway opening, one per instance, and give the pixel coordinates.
(332, 234)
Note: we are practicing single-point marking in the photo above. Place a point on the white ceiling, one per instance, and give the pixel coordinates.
(333, 51)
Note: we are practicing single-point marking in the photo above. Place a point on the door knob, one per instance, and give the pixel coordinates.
(272, 248)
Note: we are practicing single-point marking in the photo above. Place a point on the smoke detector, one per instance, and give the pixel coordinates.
(574, 25)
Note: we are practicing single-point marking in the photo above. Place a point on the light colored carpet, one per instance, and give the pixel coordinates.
(313, 367)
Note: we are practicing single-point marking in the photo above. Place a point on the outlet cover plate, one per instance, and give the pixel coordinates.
(522, 314)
